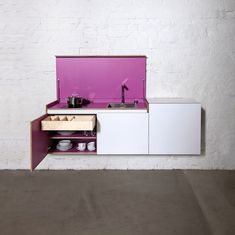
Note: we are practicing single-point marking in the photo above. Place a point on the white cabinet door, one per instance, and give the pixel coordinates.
(174, 128)
(122, 133)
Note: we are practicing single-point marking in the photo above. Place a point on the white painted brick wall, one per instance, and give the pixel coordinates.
(190, 46)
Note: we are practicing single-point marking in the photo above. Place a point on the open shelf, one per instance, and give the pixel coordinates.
(73, 150)
(83, 134)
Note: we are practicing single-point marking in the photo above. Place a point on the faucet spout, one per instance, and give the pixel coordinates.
(123, 88)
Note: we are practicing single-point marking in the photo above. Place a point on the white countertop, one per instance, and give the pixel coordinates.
(153, 100)
(94, 111)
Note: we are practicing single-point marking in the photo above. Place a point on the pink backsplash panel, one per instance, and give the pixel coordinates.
(99, 78)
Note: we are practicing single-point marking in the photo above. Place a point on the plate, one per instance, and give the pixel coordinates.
(65, 132)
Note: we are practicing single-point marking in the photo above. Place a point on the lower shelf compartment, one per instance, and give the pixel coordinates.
(72, 151)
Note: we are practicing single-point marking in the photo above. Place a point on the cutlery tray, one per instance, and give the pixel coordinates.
(69, 122)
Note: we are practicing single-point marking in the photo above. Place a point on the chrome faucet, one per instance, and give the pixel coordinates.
(123, 88)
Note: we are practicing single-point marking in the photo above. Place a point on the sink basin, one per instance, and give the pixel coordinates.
(121, 105)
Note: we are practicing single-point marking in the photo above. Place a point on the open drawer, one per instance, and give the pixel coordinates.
(68, 122)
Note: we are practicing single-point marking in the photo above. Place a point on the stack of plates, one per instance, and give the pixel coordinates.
(63, 148)
(64, 145)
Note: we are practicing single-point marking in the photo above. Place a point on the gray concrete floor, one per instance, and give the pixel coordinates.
(117, 202)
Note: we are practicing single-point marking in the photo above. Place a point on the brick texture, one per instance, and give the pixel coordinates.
(190, 46)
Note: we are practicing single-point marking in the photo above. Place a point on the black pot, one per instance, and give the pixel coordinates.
(74, 102)
(77, 102)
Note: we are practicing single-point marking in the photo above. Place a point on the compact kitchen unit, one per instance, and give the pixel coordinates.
(118, 118)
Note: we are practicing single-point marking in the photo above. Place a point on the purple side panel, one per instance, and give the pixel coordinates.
(100, 78)
(39, 142)
(51, 104)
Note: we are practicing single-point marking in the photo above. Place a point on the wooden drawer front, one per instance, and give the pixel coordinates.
(71, 122)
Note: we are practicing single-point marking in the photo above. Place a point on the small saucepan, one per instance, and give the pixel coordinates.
(75, 102)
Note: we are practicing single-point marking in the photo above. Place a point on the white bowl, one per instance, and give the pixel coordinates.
(64, 143)
(90, 148)
(91, 143)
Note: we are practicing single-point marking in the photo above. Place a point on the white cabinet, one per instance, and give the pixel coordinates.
(174, 126)
(122, 133)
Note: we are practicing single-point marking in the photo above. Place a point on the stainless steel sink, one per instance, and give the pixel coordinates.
(121, 105)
